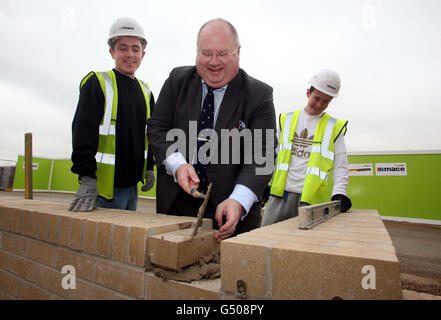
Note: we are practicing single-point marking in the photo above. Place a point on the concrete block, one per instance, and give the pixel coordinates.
(175, 250)
(326, 262)
(245, 261)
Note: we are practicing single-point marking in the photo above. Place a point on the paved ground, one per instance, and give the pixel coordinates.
(418, 246)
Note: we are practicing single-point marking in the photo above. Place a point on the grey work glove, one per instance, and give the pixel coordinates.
(149, 180)
(85, 198)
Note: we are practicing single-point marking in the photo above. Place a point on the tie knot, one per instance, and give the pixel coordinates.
(210, 89)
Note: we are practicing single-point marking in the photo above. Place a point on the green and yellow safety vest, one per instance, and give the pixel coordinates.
(105, 156)
(320, 163)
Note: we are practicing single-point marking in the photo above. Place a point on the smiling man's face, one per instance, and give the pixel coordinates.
(128, 54)
(217, 61)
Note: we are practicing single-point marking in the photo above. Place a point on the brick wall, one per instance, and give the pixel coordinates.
(109, 250)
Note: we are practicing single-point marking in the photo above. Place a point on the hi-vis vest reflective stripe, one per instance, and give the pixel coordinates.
(105, 157)
(320, 162)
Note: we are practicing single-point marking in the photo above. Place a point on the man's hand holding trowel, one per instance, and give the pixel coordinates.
(229, 210)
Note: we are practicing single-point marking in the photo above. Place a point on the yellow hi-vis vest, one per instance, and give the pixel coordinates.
(105, 157)
(320, 163)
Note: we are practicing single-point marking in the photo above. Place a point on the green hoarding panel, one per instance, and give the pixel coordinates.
(62, 177)
(413, 196)
(40, 174)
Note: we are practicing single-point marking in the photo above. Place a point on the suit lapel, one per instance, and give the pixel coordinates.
(195, 94)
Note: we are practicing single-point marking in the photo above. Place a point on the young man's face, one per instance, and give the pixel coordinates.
(317, 102)
(128, 54)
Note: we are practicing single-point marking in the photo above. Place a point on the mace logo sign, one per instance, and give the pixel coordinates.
(391, 169)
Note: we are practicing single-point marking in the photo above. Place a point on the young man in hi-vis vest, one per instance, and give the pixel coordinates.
(311, 147)
(110, 148)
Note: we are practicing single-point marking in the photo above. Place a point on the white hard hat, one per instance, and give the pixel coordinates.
(126, 27)
(326, 81)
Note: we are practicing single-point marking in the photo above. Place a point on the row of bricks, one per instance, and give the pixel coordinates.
(97, 278)
(282, 262)
(27, 257)
(119, 241)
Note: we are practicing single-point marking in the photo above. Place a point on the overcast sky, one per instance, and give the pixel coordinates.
(387, 53)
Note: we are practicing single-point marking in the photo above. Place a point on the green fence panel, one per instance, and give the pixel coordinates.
(40, 174)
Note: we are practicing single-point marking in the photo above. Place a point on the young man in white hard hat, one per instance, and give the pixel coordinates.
(110, 149)
(311, 146)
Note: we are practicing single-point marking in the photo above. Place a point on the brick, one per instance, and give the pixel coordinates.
(246, 261)
(122, 278)
(120, 243)
(84, 266)
(14, 244)
(13, 223)
(43, 226)
(42, 252)
(175, 290)
(53, 228)
(23, 268)
(3, 216)
(175, 250)
(88, 291)
(89, 242)
(63, 231)
(75, 233)
(5, 259)
(104, 239)
(138, 246)
(308, 275)
(10, 284)
(30, 224)
(30, 292)
(51, 280)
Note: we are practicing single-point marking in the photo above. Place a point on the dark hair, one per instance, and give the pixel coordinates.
(311, 90)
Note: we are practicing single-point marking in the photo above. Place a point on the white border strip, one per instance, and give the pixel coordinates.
(412, 220)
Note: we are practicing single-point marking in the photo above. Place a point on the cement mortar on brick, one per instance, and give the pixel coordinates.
(175, 250)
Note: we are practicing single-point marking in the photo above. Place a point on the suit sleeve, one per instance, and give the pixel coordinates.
(256, 175)
(150, 158)
(160, 122)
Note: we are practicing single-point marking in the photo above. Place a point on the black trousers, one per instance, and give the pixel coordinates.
(186, 205)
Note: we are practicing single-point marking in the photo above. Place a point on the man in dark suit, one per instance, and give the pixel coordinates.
(240, 105)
